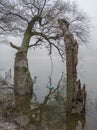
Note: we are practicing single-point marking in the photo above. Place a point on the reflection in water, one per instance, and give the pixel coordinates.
(75, 122)
(26, 113)
(42, 117)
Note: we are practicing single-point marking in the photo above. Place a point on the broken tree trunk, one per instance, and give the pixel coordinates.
(76, 96)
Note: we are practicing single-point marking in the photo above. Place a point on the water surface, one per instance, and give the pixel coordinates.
(51, 117)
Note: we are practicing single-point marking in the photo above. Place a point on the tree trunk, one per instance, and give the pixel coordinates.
(69, 69)
(76, 96)
(22, 78)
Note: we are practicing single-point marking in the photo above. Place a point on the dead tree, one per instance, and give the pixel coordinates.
(76, 96)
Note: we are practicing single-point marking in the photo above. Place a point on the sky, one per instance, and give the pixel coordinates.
(88, 65)
(90, 7)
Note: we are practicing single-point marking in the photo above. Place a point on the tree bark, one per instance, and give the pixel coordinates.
(22, 79)
(69, 70)
(76, 96)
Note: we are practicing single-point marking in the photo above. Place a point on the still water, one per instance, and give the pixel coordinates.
(51, 117)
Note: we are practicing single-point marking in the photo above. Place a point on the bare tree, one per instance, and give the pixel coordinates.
(37, 21)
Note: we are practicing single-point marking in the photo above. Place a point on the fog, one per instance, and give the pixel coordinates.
(39, 61)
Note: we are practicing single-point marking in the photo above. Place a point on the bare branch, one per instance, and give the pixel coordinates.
(11, 13)
(5, 30)
(36, 43)
(14, 46)
(43, 6)
(48, 39)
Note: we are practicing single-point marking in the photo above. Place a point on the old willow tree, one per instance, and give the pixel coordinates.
(37, 22)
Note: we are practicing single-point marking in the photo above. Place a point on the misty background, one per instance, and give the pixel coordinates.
(40, 63)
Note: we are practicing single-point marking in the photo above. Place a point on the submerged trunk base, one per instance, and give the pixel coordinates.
(79, 99)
